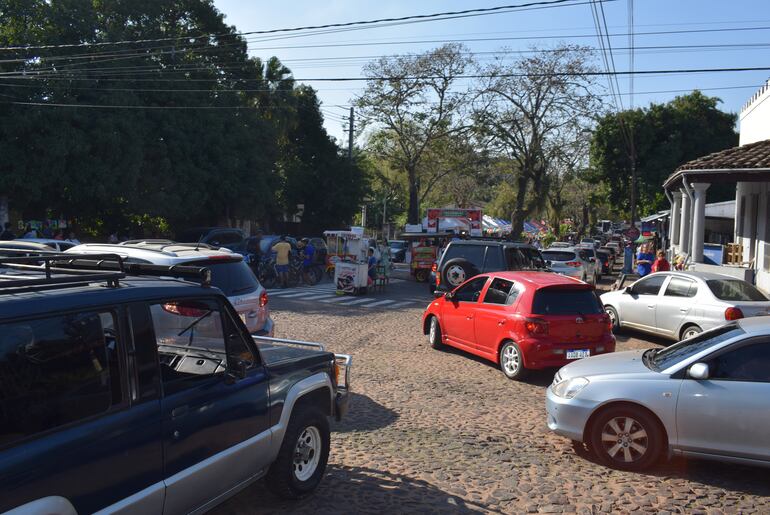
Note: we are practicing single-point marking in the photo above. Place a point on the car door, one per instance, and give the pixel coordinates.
(458, 314)
(69, 422)
(727, 413)
(492, 315)
(215, 399)
(638, 304)
(675, 304)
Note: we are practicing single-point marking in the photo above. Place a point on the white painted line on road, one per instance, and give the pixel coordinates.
(358, 301)
(380, 303)
(341, 298)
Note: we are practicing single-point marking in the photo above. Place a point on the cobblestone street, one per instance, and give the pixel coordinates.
(439, 431)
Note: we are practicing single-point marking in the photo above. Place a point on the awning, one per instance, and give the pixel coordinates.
(656, 216)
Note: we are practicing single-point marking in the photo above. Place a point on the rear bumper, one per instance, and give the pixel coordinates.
(539, 354)
(267, 330)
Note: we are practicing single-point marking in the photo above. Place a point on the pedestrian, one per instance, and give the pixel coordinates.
(72, 238)
(29, 232)
(308, 254)
(7, 234)
(46, 232)
(372, 262)
(661, 264)
(113, 238)
(386, 259)
(644, 260)
(282, 251)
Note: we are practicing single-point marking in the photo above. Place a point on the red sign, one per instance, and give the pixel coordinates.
(632, 234)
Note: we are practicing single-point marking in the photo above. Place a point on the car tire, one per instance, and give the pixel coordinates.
(619, 446)
(690, 331)
(614, 318)
(456, 271)
(512, 361)
(434, 333)
(308, 436)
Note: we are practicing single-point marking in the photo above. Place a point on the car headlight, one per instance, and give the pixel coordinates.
(569, 388)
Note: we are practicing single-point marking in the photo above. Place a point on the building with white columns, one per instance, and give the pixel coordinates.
(747, 164)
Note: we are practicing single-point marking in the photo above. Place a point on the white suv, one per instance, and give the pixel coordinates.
(229, 273)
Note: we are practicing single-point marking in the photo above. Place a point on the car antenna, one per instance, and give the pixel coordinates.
(199, 242)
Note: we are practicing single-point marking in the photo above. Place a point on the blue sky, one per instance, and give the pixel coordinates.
(563, 22)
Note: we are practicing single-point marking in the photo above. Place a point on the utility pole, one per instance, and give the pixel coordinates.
(350, 136)
(384, 219)
(363, 216)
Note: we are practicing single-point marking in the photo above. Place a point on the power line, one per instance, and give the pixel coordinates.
(453, 14)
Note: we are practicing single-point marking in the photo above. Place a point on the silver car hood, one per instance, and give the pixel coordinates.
(627, 362)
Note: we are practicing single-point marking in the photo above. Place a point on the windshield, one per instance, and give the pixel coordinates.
(664, 358)
(735, 290)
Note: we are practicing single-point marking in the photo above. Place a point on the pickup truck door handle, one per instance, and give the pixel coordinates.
(651, 306)
(179, 411)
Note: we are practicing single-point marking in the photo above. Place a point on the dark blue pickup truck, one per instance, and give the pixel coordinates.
(128, 388)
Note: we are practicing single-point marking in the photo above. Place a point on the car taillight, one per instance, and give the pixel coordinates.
(434, 267)
(733, 314)
(536, 326)
(607, 320)
(263, 299)
(575, 264)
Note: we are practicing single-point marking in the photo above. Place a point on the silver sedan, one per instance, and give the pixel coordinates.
(679, 305)
(706, 397)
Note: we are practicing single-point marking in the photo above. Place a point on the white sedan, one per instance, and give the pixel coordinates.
(679, 305)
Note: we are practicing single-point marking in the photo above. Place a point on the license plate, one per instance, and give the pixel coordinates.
(578, 354)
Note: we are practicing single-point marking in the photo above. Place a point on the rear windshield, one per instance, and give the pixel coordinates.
(557, 255)
(554, 301)
(472, 253)
(233, 278)
(734, 289)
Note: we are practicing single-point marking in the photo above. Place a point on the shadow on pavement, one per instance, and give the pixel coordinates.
(365, 415)
(534, 377)
(733, 478)
(357, 490)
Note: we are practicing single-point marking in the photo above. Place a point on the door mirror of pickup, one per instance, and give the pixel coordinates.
(236, 370)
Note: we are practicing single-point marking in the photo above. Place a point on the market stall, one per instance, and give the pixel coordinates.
(348, 254)
(422, 252)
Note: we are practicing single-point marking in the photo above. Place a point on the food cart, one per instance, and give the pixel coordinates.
(348, 255)
(422, 252)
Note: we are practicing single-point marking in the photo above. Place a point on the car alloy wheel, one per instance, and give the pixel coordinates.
(307, 453)
(434, 333)
(455, 275)
(511, 362)
(690, 332)
(613, 317)
(624, 440)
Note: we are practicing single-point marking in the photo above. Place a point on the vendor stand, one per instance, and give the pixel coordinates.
(348, 254)
(422, 252)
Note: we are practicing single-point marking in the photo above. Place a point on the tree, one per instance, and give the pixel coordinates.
(665, 136)
(413, 102)
(525, 110)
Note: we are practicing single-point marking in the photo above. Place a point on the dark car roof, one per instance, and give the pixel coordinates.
(492, 243)
(37, 302)
(540, 279)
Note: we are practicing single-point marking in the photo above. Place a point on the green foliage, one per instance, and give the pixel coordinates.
(665, 137)
(114, 168)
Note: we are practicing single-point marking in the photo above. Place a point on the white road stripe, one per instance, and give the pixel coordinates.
(380, 303)
(358, 301)
(341, 298)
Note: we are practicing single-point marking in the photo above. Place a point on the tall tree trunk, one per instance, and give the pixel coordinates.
(519, 211)
(414, 198)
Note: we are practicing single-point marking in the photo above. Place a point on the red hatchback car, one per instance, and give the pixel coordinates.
(521, 320)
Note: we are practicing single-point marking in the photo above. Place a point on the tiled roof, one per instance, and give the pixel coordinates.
(751, 156)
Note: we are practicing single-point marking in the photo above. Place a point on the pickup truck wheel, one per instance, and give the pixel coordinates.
(302, 459)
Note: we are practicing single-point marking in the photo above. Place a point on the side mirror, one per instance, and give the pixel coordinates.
(449, 295)
(699, 371)
(236, 370)
(548, 263)
(628, 289)
(592, 260)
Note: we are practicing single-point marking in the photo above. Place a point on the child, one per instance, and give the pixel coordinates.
(661, 264)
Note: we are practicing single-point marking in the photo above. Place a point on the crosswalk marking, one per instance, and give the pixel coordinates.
(380, 303)
(359, 301)
(341, 298)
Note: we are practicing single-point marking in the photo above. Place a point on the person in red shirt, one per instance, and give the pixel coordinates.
(661, 264)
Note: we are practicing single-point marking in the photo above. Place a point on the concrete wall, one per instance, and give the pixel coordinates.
(752, 228)
(755, 117)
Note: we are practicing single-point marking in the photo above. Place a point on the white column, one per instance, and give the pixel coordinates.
(673, 222)
(684, 224)
(698, 220)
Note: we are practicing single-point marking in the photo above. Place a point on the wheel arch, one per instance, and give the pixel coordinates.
(625, 404)
(684, 327)
(426, 322)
